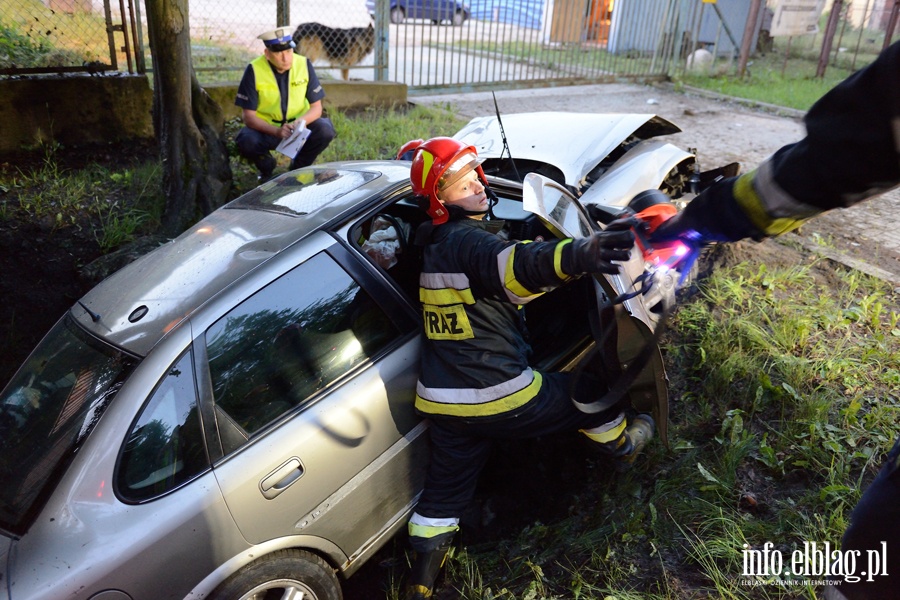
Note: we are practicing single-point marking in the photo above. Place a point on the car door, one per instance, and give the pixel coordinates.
(313, 386)
(634, 321)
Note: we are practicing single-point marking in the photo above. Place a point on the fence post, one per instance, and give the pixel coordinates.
(830, 29)
(747, 41)
(282, 13)
(382, 39)
(892, 24)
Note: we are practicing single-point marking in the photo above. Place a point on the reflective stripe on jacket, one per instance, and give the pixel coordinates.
(269, 108)
(475, 357)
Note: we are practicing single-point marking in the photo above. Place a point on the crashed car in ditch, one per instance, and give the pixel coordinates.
(232, 413)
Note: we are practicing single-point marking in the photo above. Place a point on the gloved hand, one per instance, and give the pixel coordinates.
(713, 216)
(596, 253)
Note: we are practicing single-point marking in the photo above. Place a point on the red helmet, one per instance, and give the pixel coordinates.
(437, 164)
(408, 149)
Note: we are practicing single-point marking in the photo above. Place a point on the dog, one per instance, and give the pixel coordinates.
(339, 47)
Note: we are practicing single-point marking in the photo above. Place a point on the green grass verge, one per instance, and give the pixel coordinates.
(784, 399)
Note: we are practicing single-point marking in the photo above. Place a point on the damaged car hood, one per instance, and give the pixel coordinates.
(580, 141)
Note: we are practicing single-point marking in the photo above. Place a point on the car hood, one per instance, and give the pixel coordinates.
(578, 144)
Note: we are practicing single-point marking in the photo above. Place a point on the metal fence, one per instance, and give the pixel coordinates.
(59, 36)
(426, 44)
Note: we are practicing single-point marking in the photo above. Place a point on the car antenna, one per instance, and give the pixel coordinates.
(503, 137)
(94, 316)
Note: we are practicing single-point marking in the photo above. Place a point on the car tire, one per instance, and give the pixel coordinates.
(292, 571)
(458, 18)
(397, 15)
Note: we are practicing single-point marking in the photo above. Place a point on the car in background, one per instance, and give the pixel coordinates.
(231, 415)
(436, 11)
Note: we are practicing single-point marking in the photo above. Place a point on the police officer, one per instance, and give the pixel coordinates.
(475, 384)
(851, 152)
(278, 93)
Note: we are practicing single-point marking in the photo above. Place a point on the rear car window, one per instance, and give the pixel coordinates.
(47, 411)
(164, 448)
(304, 191)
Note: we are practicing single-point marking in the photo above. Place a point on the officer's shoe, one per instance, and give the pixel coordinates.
(624, 449)
(266, 165)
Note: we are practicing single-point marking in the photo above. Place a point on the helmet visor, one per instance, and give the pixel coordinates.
(463, 163)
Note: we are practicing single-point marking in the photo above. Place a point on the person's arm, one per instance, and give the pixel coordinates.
(314, 95)
(314, 112)
(254, 121)
(519, 272)
(851, 152)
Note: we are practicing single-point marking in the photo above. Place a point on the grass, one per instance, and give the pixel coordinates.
(59, 198)
(784, 380)
(570, 60)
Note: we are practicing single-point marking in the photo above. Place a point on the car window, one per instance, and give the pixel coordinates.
(288, 341)
(48, 409)
(387, 239)
(165, 445)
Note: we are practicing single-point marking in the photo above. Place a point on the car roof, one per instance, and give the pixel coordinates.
(135, 307)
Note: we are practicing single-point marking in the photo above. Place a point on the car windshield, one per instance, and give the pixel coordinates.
(47, 411)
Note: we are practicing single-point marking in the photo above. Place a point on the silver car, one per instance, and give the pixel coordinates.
(233, 413)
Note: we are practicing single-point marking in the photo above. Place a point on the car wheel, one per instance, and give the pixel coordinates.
(397, 15)
(458, 18)
(287, 574)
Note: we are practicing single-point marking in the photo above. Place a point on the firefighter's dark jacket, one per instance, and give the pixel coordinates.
(472, 286)
(851, 152)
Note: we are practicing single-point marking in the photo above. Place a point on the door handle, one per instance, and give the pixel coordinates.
(281, 478)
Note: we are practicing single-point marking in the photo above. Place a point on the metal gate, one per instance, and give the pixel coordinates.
(449, 44)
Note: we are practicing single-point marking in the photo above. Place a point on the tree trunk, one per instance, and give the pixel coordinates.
(189, 125)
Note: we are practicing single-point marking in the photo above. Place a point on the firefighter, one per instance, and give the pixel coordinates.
(851, 152)
(475, 384)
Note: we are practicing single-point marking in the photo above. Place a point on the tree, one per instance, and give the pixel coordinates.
(189, 125)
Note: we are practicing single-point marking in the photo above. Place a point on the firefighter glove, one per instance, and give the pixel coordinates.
(713, 216)
(596, 253)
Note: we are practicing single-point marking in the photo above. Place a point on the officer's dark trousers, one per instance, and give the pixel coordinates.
(876, 519)
(460, 447)
(256, 146)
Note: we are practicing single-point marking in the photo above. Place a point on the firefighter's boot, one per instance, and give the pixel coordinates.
(425, 569)
(625, 449)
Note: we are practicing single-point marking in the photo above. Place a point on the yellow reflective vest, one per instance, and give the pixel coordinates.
(269, 108)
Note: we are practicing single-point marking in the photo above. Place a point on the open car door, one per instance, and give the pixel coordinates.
(627, 327)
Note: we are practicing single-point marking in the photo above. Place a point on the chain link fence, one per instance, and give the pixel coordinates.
(59, 36)
(430, 44)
